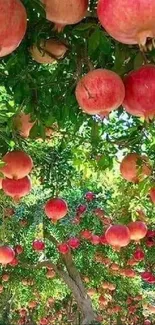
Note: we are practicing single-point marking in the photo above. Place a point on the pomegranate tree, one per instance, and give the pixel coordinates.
(100, 91)
(134, 167)
(140, 92)
(17, 164)
(48, 51)
(56, 209)
(66, 12)
(16, 188)
(128, 21)
(118, 236)
(138, 230)
(13, 21)
(7, 254)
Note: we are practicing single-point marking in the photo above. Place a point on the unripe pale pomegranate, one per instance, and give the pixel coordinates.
(118, 236)
(17, 164)
(23, 124)
(140, 92)
(100, 90)
(38, 245)
(32, 304)
(95, 239)
(13, 21)
(56, 209)
(63, 248)
(48, 51)
(5, 277)
(86, 234)
(136, 17)
(16, 188)
(73, 242)
(134, 167)
(138, 230)
(66, 12)
(7, 254)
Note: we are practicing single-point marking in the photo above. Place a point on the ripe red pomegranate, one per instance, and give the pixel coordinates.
(73, 242)
(23, 124)
(118, 236)
(66, 12)
(48, 51)
(32, 304)
(56, 209)
(95, 240)
(146, 275)
(17, 164)
(38, 245)
(100, 91)
(138, 230)
(14, 262)
(90, 196)
(16, 188)
(140, 92)
(18, 249)
(137, 24)
(43, 321)
(7, 254)
(86, 234)
(134, 167)
(139, 254)
(63, 248)
(103, 240)
(147, 322)
(81, 209)
(13, 21)
(23, 312)
(152, 195)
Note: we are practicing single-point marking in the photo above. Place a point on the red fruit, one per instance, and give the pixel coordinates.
(137, 24)
(150, 242)
(118, 236)
(43, 321)
(146, 275)
(7, 254)
(147, 322)
(103, 240)
(48, 52)
(81, 209)
(139, 254)
(23, 124)
(8, 212)
(13, 21)
(56, 209)
(134, 167)
(129, 273)
(17, 164)
(150, 233)
(50, 274)
(152, 195)
(16, 188)
(138, 230)
(74, 243)
(86, 234)
(38, 245)
(5, 277)
(95, 240)
(14, 262)
(66, 12)
(32, 304)
(89, 196)
(140, 92)
(151, 280)
(100, 91)
(19, 249)
(99, 212)
(23, 312)
(63, 248)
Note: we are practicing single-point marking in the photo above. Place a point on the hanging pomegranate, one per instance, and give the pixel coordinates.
(56, 209)
(128, 21)
(66, 12)
(135, 167)
(13, 22)
(140, 92)
(23, 124)
(7, 254)
(118, 236)
(138, 230)
(16, 188)
(17, 164)
(100, 90)
(48, 51)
